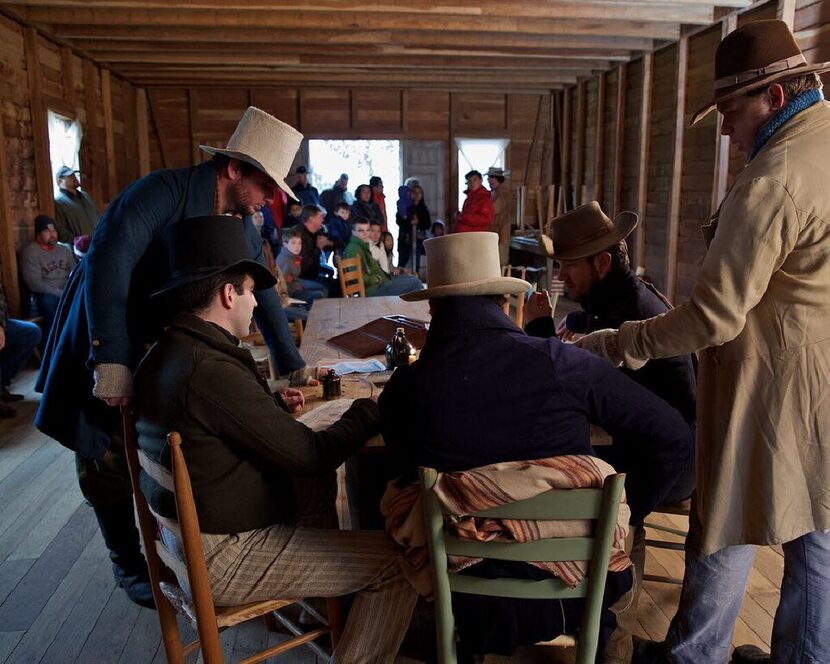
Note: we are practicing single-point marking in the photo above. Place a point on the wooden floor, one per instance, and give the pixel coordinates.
(59, 604)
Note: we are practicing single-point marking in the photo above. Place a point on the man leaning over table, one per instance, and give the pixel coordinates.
(759, 315)
(243, 450)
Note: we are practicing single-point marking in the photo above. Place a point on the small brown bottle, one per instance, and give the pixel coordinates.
(331, 385)
(399, 351)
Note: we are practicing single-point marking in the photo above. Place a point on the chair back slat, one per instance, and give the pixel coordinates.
(350, 271)
(159, 473)
(551, 505)
(552, 588)
(556, 549)
(599, 505)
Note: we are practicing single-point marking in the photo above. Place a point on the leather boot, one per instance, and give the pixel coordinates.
(750, 655)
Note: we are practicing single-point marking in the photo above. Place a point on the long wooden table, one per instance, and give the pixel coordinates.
(330, 317)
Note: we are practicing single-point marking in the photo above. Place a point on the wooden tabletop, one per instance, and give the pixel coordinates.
(330, 317)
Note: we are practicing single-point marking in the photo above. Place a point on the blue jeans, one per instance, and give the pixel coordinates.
(21, 339)
(47, 305)
(403, 283)
(713, 591)
(312, 290)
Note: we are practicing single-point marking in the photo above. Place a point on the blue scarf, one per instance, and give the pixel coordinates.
(795, 106)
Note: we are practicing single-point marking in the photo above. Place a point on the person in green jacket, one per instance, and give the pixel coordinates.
(375, 280)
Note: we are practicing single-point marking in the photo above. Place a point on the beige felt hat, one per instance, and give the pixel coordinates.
(265, 142)
(586, 231)
(465, 264)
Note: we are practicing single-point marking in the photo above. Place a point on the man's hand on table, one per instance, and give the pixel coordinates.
(294, 399)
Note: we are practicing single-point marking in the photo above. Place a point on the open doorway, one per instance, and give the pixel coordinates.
(478, 154)
(359, 159)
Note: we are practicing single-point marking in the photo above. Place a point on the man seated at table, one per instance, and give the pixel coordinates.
(483, 392)
(375, 280)
(243, 449)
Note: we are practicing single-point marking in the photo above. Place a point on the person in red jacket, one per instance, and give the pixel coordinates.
(477, 213)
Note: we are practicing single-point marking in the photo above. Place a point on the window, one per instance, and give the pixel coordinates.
(64, 143)
(478, 154)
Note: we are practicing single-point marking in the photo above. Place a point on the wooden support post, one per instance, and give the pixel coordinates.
(673, 225)
(109, 137)
(642, 169)
(142, 131)
(786, 11)
(68, 76)
(567, 185)
(8, 256)
(579, 157)
(195, 152)
(721, 173)
(619, 133)
(599, 140)
(94, 181)
(40, 126)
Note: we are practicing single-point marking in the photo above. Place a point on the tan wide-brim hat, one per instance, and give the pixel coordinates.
(586, 231)
(264, 142)
(465, 264)
(754, 56)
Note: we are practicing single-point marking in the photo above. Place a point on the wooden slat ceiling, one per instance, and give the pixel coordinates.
(500, 45)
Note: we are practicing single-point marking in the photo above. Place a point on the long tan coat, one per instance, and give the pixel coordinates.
(502, 219)
(761, 310)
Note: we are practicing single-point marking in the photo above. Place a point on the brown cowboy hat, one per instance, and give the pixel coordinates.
(586, 231)
(753, 56)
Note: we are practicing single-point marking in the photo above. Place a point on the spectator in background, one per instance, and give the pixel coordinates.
(305, 193)
(293, 215)
(364, 207)
(388, 243)
(437, 229)
(338, 226)
(375, 280)
(376, 185)
(376, 247)
(339, 193)
(268, 228)
(290, 264)
(419, 223)
(81, 246)
(477, 211)
(45, 266)
(312, 268)
(18, 339)
(75, 212)
(502, 211)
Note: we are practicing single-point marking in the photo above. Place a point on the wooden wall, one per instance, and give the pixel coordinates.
(182, 119)
(672, 175)
(37, 74)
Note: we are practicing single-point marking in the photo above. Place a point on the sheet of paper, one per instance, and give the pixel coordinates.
(326, 414)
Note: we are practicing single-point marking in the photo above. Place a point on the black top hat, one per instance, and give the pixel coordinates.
(201, 247)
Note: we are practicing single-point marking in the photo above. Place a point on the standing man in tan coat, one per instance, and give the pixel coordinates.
(502, 211)
(760, 317)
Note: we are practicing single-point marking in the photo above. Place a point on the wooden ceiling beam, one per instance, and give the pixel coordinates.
(367, 38)
(338, 60)
(104, 49)
(412, 10)
(412, 23)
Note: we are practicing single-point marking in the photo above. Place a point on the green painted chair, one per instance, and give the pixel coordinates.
(595, 504)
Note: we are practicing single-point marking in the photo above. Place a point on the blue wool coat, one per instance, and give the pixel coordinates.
(105, 314)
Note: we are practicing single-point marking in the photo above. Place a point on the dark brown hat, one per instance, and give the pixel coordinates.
(753, 56)
(586, 231)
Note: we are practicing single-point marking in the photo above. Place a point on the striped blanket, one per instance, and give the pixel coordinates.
(489, 486)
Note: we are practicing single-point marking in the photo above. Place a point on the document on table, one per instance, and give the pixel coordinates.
(325, 415)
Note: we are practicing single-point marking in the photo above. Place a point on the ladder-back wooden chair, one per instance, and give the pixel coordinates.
(350, 272)
(683, 508)
(166, 568)
(600, 505)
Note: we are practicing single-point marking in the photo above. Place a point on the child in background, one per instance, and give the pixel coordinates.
(290, 263)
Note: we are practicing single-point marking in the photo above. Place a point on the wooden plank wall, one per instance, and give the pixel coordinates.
(671, 218)
(181, 119)
(37, 74)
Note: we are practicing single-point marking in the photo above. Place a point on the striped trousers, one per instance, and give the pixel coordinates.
(284, 561)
